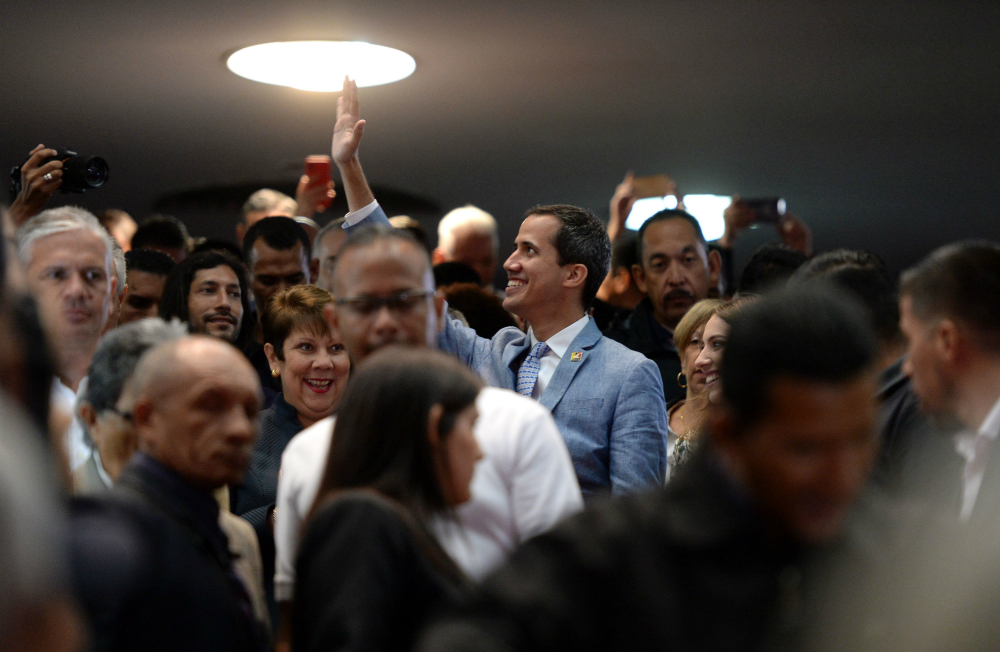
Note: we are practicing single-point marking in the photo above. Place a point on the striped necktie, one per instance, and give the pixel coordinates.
(527, 375)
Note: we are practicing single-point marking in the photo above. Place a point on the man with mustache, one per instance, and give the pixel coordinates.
(675, 271)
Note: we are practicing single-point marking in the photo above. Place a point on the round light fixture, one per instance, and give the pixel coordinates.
(321, 65)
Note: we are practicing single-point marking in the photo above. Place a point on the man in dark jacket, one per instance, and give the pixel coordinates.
(730, 555)
(154, 571)
(675, 271)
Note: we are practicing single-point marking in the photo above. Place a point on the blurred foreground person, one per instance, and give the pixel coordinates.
(146, 276)
(685, 417)
(525, 483)
(66, 255)
(154, 568)
(36, 611)
(726, 557)
(329, 241)
(370, 571)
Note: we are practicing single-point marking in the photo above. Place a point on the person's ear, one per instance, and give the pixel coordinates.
(272, 357)
(434, 425)
(576, 277)
(949, 341)
(640, 278)
(89, 416)
(438, 257)
(714, 267)
(314, 270)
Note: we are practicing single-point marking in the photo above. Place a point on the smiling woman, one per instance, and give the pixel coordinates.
(313, 366)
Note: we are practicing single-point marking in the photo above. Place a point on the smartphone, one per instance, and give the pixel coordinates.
(318, 170)
(768, 211)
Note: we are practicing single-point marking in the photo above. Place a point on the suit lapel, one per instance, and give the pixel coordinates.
(568, 366)
(510, 358)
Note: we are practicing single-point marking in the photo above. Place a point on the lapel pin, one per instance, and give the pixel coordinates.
(575, 356)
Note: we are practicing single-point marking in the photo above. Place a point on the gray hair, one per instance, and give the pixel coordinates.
(33, 533)
(117, 355)
(266, 199)
(120, 268)
(470, 218)
(58, 220)
(318, 249)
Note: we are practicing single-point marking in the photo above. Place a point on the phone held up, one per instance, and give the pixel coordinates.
(318, 170)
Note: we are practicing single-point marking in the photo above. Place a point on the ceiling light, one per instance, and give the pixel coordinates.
(321, 65)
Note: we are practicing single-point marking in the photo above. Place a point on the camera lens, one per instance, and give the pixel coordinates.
(95, 171)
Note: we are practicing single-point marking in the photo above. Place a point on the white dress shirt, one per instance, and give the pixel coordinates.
(523, 486)
(353, 218)
(65, 399)
(558, 344)
(975, 449)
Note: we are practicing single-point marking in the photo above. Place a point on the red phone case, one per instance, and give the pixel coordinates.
(318, 170)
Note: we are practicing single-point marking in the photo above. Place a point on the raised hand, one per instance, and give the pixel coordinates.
(621, 204)
(349, 129)
(36, 189)
(313, 199)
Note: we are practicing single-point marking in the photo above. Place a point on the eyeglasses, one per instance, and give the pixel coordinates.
(399, 303)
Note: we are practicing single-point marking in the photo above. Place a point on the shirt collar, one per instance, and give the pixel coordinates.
(562, 340)
(991, 425)
(101, 472)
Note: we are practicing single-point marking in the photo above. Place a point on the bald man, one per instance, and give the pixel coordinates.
(163, 578)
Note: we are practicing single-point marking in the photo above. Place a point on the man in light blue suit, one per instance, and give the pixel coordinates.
(606, 399)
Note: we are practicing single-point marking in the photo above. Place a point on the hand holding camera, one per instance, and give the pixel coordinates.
(47, 170)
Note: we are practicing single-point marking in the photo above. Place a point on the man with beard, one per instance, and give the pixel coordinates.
(950, 314)
(675, 271)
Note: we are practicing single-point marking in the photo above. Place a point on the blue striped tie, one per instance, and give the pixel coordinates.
(527, 375)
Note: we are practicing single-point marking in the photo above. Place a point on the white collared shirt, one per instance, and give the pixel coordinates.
(353, 218)
(975, 461)
(558, 345)
(65, 399)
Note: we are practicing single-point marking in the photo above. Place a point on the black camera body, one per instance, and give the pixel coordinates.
(80, 173)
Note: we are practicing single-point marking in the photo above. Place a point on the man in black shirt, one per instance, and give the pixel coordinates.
(730, 555)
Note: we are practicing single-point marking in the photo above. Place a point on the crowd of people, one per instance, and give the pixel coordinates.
(342, 438)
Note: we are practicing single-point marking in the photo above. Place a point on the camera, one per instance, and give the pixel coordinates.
(80, 173)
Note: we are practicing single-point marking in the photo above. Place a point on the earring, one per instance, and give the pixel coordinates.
(682, 383)
(275, 373)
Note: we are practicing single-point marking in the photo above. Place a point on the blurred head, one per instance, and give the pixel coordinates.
(407, 223)
(689, 341)
(195, 410)
(797, 424)
(715, 336)
(264, 203)
(561, 256)
(277, 254)
(307, 354)
(164, 233)
(468, 235)
(209, 292)
(864, 275)
(384, 292)
(146, 277)
(405, 430)
(105, 405)
(328, 243)
(619, 287)
(67, 257)
(950, 315)
(482, 309)
(120, 268)
(769, 268)
(676, 269)
(120, 225)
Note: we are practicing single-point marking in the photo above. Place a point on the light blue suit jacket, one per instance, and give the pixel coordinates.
(608, 403)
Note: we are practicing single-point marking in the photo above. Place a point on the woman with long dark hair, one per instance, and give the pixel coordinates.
(369, 571)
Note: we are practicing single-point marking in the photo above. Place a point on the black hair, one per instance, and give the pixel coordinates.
(219, 244)
(865, 276)
(813, 332)
(161, 231)
(279, 233)
(150, 261)
(380, 439)
(454, 272)
(663, 216)
(769, 268)
(581, 240)
(175, 291)
(960, 281)
(625, 252)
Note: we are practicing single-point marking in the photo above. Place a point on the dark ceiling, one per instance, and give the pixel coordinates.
(875, 120)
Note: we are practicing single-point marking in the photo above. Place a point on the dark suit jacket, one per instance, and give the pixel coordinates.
(637, 334)
(152, 568)
(687, 567)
